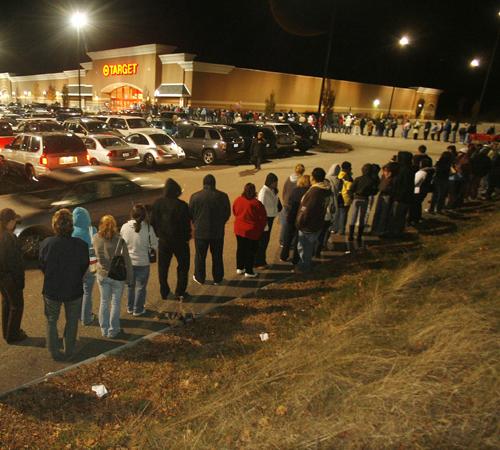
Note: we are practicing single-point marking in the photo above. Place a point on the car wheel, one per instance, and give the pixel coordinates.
(30, 243)
(30, 173)
(208, 156)
(149, 161)
(94, 162)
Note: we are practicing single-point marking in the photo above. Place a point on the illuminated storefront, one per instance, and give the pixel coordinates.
(126, 78)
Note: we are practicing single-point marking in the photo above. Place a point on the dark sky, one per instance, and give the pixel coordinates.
(445, 34)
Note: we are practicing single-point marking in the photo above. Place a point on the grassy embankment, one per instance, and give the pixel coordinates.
(396, 348)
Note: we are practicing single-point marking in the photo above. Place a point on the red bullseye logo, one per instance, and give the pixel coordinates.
(105, 70)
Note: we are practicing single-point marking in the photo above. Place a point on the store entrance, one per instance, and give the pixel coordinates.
(125, 97)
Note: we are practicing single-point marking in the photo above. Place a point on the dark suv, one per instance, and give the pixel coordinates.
(305, 135)
(285, 136)
(210, 143)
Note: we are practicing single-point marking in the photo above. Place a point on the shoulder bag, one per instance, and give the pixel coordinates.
(117, 268)
(151, 250)
(92, 255)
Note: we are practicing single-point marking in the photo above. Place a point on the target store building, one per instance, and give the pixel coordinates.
(121, 78)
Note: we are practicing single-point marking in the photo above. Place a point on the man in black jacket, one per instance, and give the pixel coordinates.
(64, 261)
(172, 224)
(257, 150)
(404, 185)
(210, 210)
(11, 278)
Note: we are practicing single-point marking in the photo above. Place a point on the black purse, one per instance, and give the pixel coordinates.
(151, 251)
(117, 268)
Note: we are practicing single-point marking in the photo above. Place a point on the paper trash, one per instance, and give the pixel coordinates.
(264, 337)
(100, 390)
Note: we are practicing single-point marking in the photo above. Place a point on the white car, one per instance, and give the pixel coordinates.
(126, 125)
(156, 147)
(110, 150)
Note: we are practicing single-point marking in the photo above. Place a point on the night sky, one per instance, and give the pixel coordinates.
(263, 34)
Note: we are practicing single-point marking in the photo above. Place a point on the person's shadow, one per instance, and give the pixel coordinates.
(248, 172)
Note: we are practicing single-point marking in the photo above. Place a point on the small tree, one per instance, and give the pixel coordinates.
(270, 105)
(65, 96)
(51, 93)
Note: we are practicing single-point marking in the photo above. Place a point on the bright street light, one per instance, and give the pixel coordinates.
(404, 41)
(475, 62)
(78, 20)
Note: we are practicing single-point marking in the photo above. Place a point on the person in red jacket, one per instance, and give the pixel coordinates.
(250, 221)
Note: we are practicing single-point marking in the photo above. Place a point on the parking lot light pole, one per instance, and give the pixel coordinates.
(403, 42)
(78, 21)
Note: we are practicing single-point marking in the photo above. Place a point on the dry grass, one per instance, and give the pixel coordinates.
(361, 356)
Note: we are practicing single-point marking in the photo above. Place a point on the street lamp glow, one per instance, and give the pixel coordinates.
(404, 41)
(79, 20)
(475, 62)
(376, 103)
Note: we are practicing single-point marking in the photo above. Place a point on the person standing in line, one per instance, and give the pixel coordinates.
(64, 260)
(454, 131)
(369, 127)
(441, 183)
(360, 191)
(332, 176)
(434, 130)
(172, 224)
(427, 129)
(343, 199)
(380, 224)
(11, 278)
(423, 185)
(310, 217)
(257, 150)
(268, 196)
(141, 242)
(420, 156)
(250, 221)
(288, 187)
(108, 244)
(291, 235)
(210, 209)
(83, 229)
(439, 131)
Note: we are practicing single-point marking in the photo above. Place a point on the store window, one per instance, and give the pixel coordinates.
(125, 97)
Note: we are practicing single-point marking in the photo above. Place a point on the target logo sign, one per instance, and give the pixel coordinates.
(120, 69)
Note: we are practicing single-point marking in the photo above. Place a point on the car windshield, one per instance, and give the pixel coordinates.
(283, 129)
(63, 144)
(161, 139)
(48, 127)
(137, 123)
(97, 126)
(112, 142)
(229, 134)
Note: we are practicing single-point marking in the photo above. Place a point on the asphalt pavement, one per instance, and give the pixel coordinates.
(30, 360)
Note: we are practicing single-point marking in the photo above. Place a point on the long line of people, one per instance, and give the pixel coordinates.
(313, 209)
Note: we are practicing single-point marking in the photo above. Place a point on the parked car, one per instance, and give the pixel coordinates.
(33, 154)
(249, 130)
(110, 150)
(63, 114)
(126, 125)
(166, 125)
(285, 136)
(156, 148)
(83, 126)
(172, 115)
(100, 190)
(211, 143)
(37, 126)
(305, 135)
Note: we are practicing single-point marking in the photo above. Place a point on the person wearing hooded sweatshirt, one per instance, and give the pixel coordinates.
(343, 198)
(171, 222)
(83, 229)
(140, 238)
(423, 186)
(268, 196)
(360, 191)
(288, 187)
(210, 209)
(310, 217)
(336, 186)
(380, 224)
(404, 185)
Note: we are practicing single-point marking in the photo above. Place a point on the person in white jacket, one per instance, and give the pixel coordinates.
(140, 238)
(268, 196)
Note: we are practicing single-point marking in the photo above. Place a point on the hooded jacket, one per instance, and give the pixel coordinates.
(170, 217)
(404, 181)
(288, 187)
(210, 209)
(312, 209)
(346, 180)
(250, 218)
(82, 225)
(11, 259)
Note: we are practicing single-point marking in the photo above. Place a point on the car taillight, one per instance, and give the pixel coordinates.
(134, 152)
(88, 158)
(112, 154)
(43, 160)
(160, 151)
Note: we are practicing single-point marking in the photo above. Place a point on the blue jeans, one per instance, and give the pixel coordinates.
(137, 290)
(88, 285)
(71, 311)
(109, 310)
(359, 207)
(305, 246)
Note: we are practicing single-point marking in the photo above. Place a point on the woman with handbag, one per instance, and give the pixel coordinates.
(142, 245)
(83, 229)
(114, 269)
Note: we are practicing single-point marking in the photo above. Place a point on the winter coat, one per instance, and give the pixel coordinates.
(404, 181)
(250, 218)
(11, 259)
(138, 243)
(270, 200)
(106, 249)
(288, 187)
(346, 179)
(310, 217)
(82, 225)
(363, 187)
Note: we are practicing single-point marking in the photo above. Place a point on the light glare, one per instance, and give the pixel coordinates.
(376, 103)
(79, 20)
(404, 41)
(474, 62)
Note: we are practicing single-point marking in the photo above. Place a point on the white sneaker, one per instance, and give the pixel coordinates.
(196, 281)
(251, 275)
(240, 271)
(138, 314)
